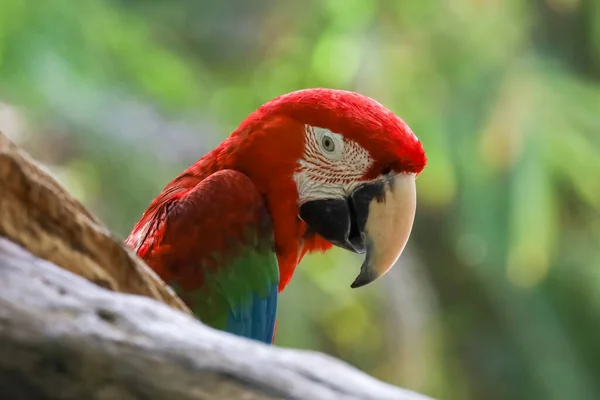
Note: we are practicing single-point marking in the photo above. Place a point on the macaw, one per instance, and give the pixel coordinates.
(307, 170)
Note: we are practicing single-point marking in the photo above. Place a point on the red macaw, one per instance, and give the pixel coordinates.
(305, 171)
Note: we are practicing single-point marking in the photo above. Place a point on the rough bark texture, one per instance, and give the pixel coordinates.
(67, 333)
(37, 213)
(62, 337)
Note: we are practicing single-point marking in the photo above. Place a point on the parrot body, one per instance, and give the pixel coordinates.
(307, 170)
(236, 269)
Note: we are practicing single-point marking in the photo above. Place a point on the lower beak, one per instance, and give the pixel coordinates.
(377, 218)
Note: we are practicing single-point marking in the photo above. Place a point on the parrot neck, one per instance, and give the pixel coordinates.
(292, 241)
(269, 158)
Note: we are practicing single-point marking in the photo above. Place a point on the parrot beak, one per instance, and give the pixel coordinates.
(377, 218)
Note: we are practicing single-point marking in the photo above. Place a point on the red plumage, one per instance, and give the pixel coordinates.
(266, 147)
(205, 219)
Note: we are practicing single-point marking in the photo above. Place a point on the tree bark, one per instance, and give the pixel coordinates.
(82, 317)
(62, 337)
(37, 213)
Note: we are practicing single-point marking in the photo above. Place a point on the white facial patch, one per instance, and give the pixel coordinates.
(331, 167)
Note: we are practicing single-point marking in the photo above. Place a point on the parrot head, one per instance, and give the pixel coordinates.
(336, 168)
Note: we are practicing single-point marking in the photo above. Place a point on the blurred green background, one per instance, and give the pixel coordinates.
(498, 293)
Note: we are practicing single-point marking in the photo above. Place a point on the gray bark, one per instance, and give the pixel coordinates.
(63, 337)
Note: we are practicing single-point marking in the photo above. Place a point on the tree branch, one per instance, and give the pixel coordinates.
(41, 216)
(62, 337)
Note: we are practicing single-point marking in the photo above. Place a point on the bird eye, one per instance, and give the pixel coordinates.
(328, 144)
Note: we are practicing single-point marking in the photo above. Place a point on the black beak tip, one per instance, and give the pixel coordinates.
(356, 284)
(364, 278)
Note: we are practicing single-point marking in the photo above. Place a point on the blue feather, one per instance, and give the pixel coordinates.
(255, 319)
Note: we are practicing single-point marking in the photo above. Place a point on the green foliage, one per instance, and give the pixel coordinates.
(498, 295)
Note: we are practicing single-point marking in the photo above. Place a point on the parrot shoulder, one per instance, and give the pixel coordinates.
(212, 241)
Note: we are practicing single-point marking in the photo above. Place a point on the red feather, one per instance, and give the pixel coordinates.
(266, 147)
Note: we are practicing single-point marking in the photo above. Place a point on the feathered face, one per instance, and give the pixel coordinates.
(353, 164)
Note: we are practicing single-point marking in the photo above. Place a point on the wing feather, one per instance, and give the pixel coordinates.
(212, 240)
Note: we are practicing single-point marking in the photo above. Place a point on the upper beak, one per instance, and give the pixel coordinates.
(376, 217)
